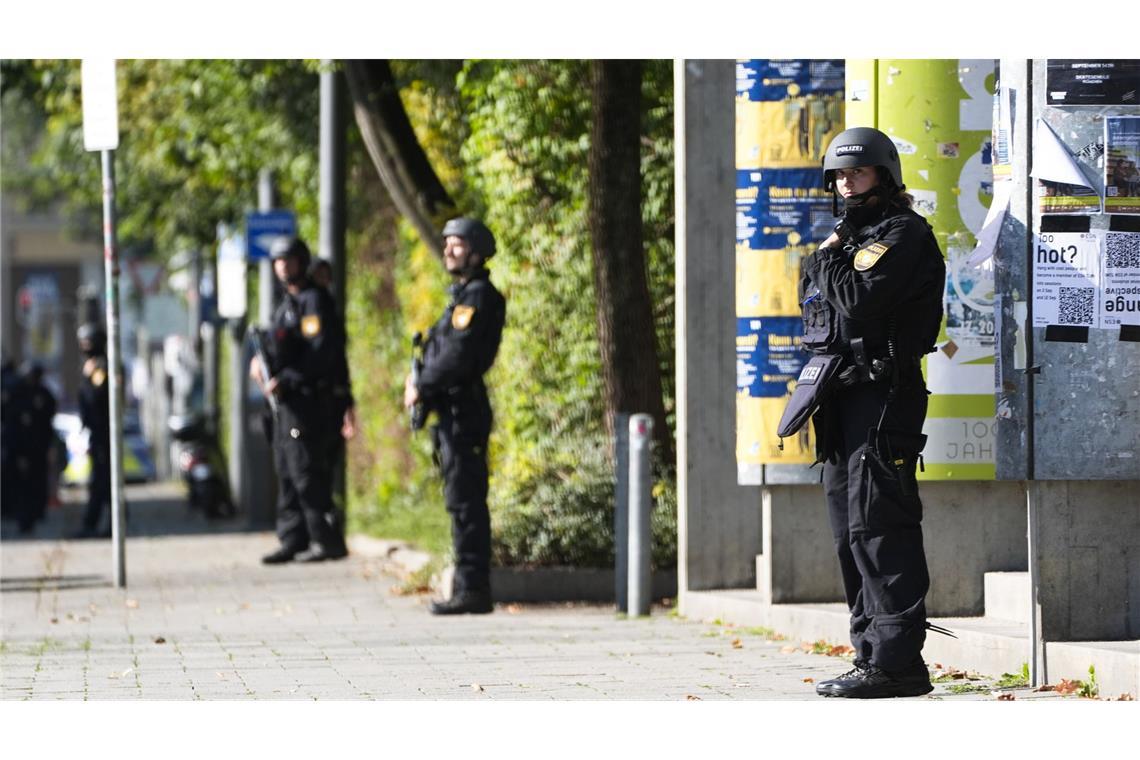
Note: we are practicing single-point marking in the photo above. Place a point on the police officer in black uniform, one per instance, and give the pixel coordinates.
(459, 349)
(873, 294)
(95, 414)
(306, 356)
(33, 407)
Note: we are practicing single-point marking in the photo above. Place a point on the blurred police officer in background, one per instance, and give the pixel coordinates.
(460, 348)
(873, 294)
(322, 275)
(31, 437)
(306, 356)
(95, 414)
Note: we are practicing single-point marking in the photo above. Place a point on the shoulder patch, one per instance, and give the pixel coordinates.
(311, 325)
(461, 316)
(869, 256)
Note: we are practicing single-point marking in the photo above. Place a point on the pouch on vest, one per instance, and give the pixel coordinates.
(821, 323)
(815, 382)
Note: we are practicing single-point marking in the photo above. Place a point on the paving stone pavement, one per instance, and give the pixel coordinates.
(202, 619)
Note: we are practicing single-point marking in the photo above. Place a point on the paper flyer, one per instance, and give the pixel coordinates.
(1066, 279)
(1121, 300)
(1122, 165)
(1102, 82)
(1062, 187)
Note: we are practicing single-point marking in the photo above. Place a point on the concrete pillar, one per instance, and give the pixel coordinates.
(718, 521)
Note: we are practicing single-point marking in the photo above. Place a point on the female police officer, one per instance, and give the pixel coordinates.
(872, 294)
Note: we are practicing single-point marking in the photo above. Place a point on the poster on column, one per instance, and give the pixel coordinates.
(940, 116)
(1102, 82)
(1066, 279)
(1122, 165)
(787, 111)
(1121, 301)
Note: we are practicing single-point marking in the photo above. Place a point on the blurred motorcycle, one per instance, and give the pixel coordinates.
(202, 466)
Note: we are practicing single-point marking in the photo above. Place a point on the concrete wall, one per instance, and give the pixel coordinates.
(1088, 559)
(718, 521)
(968, 528)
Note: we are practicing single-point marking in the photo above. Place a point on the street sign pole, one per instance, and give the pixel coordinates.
(114, 362)
(101, 133)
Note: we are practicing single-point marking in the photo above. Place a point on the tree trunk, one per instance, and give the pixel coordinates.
(400, 160)
(626, 333)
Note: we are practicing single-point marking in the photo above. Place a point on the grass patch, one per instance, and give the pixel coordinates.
(968, 688)
(1014, 680)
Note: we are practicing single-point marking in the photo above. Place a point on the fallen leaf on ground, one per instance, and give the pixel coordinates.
(513, 609)
(1126, 698)
(1046, 687)
(809, 679)
(54, 620)
(840, 650)
(1006, 697)
(1068, 687)
(160, 640)
(692, 698)
(736, 644)
(788, 649)
(133, 604)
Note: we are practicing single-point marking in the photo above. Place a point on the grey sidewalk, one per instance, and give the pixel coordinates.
(203, 619)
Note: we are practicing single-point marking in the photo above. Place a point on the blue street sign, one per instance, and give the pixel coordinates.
(263, 227)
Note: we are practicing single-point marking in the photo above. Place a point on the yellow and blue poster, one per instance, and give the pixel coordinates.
(787, 111)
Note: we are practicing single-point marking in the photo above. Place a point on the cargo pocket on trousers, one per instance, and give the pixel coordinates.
(891, 487)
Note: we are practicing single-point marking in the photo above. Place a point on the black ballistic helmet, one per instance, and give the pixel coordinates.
(474, 232)
(93, 335)
(291, 246)
(861, 146)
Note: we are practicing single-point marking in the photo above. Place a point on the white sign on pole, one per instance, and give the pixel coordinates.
(100, 104)
(231, 277)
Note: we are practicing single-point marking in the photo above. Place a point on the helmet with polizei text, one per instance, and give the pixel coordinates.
(861, 146)
(474, 232)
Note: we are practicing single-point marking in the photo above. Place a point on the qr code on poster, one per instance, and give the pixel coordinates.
(1122, 251)
(1077, 306)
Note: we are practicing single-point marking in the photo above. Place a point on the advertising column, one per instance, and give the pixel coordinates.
(787, 111)
(939, 114)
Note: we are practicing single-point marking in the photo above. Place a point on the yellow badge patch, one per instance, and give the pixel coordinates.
(461, 316)
(98, 377)
(311, 326)
(869, 256)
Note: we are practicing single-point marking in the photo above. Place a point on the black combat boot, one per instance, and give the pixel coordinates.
(279, 557)
(464, 602)
(824, 688)
(317, 553)
(876, 683)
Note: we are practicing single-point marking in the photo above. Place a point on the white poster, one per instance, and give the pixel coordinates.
(1066, 279)
(1121, 302)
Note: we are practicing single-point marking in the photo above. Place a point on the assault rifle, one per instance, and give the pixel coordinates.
(257, 340)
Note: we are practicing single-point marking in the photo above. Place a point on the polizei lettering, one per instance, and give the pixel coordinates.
(844, 149)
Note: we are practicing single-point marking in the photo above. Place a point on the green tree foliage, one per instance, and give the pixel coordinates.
(194, 135)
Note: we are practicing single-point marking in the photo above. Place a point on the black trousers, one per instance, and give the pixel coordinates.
(98, 487)
(461, 442)
(876, 515)
(302, 455)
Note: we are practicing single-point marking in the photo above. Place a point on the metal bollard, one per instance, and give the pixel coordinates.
(621, 510)
(640, 540)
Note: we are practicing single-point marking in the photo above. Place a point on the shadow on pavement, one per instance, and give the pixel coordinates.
(153, 509)
(52, 583)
